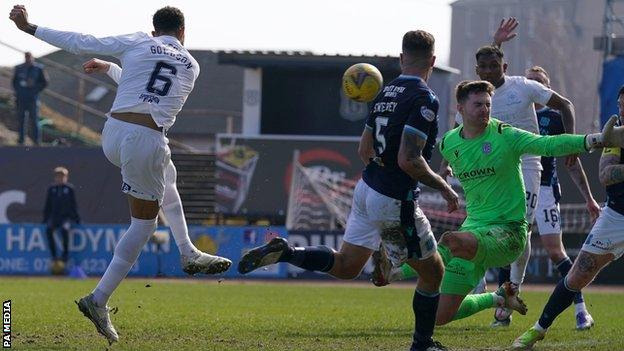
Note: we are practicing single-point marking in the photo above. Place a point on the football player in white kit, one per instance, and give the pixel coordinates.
(159, 74)
(548, 216)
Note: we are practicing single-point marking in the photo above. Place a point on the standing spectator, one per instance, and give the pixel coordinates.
(28, 81)
(59, 213)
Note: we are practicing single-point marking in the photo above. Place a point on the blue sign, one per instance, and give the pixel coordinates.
(24, 249)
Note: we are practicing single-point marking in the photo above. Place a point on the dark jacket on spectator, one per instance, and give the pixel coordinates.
(60, 204)
(25, 73)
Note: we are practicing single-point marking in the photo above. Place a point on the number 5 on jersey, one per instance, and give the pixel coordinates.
(380, 125)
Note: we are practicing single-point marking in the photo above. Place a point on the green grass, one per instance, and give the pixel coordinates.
(206, 315)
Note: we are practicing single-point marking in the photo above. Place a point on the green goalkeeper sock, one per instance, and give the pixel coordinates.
(476, 303)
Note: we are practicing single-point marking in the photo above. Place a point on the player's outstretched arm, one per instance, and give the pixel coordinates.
(577, 173)
(100, 66)
(412, 162)
(505, 31)
(524, 142)
(75, 43)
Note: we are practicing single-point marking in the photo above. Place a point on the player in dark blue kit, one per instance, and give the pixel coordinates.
(547, 214)
(396, 146)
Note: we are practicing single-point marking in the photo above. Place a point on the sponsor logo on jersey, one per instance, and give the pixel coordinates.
(477, 173)
(603, 245)
(486, 148)
(427, 113)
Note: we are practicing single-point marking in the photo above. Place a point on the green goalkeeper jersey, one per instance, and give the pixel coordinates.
(488, 168)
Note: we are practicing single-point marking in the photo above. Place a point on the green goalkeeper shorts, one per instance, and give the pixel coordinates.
(498, 246)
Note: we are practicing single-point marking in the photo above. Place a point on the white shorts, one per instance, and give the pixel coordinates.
(607, 234)
(532, 180)
(374, 215)
(142, 154)
(548, 215)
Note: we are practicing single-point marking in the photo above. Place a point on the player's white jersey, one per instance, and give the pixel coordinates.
(513, 103)
(158, 72)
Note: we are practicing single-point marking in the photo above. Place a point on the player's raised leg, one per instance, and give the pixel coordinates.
(584, 270)
(193, 260)
(362, 236)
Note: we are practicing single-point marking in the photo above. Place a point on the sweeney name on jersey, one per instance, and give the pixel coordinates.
(406, 103)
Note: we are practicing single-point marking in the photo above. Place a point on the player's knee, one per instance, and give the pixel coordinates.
(452, 242)
(434, 271)
(577, 280)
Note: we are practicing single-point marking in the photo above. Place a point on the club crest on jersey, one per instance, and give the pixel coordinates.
(456, 152)
(427, 113)
(487, 148)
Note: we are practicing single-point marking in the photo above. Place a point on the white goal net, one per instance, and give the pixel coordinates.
(319, 199)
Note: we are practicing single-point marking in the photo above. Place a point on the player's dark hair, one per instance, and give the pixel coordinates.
(168, 19)
(489, 50)
(467, 87)
(418, 45)
(621, 91)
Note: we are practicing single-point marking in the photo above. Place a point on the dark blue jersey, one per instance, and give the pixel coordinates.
(615, 192)
(550, 123)
(406, 103)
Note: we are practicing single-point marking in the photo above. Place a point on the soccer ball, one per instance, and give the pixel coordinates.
(362, 82)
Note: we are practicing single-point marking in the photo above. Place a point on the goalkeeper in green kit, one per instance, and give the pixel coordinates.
(484, 155)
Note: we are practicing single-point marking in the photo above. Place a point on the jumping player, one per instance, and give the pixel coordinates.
(159, 74)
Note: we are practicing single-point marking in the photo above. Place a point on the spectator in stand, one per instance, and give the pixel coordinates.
(60, 213)
(29, 80)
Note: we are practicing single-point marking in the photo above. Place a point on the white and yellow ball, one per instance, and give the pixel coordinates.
(362, 82)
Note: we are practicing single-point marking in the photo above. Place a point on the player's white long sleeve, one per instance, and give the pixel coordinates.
(78, 43)
(114, 72)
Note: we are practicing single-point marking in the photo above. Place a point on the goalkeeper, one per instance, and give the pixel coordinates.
(484, 155)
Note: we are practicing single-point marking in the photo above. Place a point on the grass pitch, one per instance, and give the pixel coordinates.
(194, 314)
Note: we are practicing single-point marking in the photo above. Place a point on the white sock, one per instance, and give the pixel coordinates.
(126, 253)
(580, 307)
(539, 328)
(174, 213)
(518, 267)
